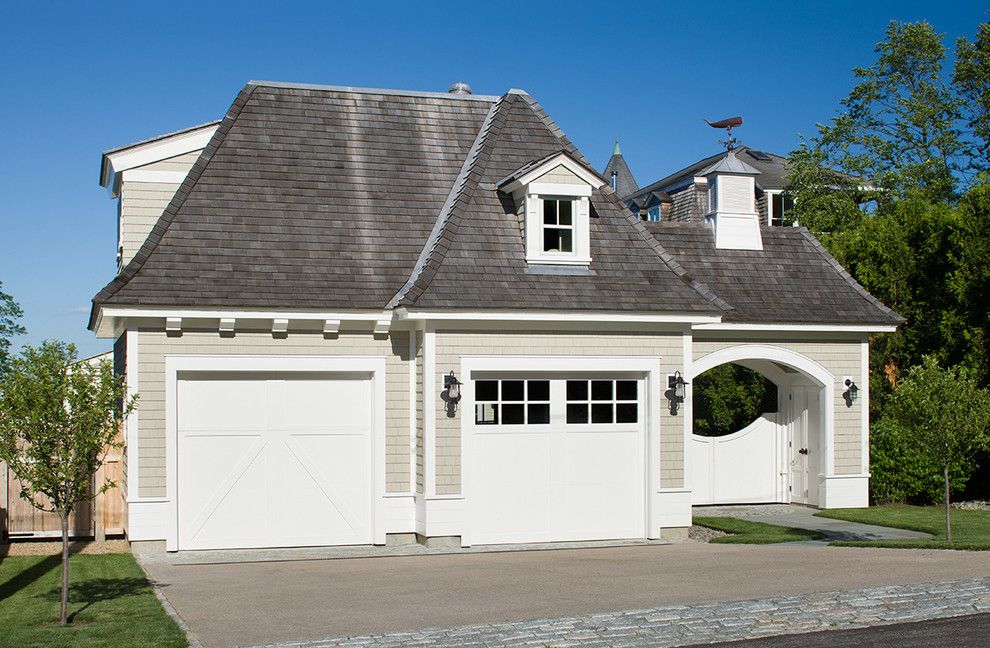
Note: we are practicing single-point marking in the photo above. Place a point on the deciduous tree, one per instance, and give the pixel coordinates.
(946, 416)
(57, 420)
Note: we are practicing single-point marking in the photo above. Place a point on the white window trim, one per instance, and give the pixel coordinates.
(580, 225)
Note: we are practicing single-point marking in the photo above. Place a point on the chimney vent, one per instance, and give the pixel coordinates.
(459, 88)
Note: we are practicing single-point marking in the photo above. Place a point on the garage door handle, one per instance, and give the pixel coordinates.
(803, 451)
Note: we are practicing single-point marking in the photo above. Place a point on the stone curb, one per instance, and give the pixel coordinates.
(678, 625)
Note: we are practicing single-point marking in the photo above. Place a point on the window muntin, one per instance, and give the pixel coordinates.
(558, 225)
(599, 401)
(512, 402)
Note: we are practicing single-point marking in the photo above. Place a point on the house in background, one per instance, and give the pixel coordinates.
(683, 195)
(363, 316)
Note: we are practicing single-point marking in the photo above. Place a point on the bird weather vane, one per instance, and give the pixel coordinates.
(730, 142)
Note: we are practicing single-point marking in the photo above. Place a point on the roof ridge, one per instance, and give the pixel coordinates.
(863, 292)
(383, 91)
(168, 215)
(433, 251)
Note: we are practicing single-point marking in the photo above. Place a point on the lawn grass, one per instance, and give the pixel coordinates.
(111, 604)
(970, 529)
(746, 532)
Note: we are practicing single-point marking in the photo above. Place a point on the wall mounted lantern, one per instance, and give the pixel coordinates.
(851, 393)
(451, 393)
(676, 390)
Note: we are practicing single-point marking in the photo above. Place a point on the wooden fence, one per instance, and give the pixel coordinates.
(104, 515)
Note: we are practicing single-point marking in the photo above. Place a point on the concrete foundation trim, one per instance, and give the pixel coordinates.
(678, 625)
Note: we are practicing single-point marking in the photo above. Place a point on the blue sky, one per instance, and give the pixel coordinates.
(79, 78)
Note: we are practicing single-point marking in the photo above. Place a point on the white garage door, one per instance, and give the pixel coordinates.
(557, 459)
(274, 460)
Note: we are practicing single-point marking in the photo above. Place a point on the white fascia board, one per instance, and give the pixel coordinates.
(154, 152)
(153, 175)
(543, 316)
(561, 159)
(108, 318)
(817, 328)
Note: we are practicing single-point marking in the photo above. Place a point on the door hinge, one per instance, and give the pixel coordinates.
(790, 489)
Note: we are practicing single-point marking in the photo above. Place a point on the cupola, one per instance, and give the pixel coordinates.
(732, 204)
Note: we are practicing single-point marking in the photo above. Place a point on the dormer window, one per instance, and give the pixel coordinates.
(553, 201)
(558, 226)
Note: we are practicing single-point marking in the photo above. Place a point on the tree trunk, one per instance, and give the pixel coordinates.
(948, 525)
(63, 616)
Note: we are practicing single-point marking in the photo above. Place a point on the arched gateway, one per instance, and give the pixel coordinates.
(781, 456)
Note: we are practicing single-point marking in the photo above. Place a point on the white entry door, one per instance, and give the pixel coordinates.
(804, 445)
(557, 459)
(273, 460)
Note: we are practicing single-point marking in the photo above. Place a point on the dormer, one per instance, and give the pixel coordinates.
(144, 177)
(553, 201)
(732, 204)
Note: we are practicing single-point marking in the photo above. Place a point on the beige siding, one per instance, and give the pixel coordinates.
(840, 358)
(450, 346)
(154, 345)
(141, 204)
(182, 163)
(561, 175)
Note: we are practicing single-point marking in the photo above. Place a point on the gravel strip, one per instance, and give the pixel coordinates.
(52, 548)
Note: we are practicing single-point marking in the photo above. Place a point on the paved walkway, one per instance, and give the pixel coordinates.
(680, 625)
(802, 517)
(257, 603)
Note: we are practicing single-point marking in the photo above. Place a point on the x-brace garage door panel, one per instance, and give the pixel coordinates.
(274, 460)
(551, 463)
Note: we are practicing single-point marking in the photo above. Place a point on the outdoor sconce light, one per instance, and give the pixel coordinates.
(451, 393)
(675, 391)
(851, 393)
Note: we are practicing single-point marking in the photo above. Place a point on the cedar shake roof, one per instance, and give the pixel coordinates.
(793, 279)
(331, 198)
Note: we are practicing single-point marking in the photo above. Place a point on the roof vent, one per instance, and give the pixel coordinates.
(459, 88)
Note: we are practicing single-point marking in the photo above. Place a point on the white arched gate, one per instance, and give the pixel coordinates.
(777, 457)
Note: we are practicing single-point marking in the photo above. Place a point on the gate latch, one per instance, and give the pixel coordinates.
(803, 451)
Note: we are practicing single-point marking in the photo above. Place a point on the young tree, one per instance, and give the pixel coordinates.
(946, 417)
(9, 313)
(57, 419)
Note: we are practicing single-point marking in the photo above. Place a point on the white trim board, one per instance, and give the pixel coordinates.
(828, 328)
(321, 364)
(154, 151)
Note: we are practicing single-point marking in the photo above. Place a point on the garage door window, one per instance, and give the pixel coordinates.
(602, 401)
(512, 402)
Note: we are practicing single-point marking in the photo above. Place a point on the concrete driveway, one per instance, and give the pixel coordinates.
(252, 603)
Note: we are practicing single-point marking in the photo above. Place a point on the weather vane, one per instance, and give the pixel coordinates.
(730, 142)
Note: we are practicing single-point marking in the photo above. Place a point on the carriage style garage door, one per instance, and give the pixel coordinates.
(273, 459)
(557, 459)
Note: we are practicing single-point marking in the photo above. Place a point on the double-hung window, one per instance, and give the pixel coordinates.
(558, 225)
